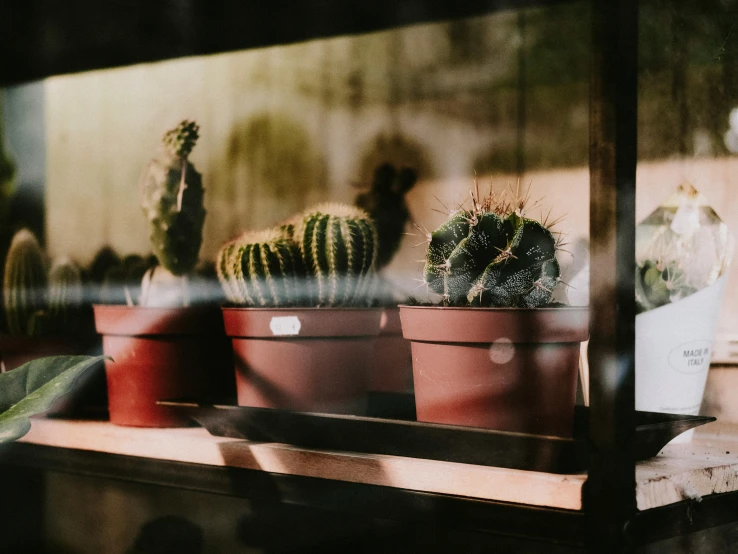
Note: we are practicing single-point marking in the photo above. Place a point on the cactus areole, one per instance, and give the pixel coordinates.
(172, 201)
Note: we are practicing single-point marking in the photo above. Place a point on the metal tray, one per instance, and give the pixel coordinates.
(396, 435)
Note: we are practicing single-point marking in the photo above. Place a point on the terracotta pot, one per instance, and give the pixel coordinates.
(159, 354)
(305, 359)
(390, 365)
(89, 397)
(509, 369)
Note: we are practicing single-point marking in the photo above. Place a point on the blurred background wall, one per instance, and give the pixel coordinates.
(503, 97)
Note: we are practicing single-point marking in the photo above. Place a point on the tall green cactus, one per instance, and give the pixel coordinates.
(24, 285)
(339, 247)
(261, 269)
(172, 201)
(324, 257)
(492, 255)
(65, 296)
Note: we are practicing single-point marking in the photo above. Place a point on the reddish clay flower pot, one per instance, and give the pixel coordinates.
(161, 353)
(390, 366)
(89, 397)
(304, 359)
(510, 369)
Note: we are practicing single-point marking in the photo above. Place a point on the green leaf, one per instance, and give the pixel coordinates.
(33, 387)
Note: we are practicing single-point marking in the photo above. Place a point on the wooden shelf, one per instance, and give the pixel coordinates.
(197, 446)
(683, 471)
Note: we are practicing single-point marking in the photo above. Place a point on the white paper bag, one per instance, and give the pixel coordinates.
(673, 349)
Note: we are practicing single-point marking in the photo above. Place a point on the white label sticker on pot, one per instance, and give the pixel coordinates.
(691, 357)
(285, 325)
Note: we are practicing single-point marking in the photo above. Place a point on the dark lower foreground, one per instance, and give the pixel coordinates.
(67, 501)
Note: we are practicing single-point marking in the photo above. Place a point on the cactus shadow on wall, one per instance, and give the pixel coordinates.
(272, 169)
(397, 150)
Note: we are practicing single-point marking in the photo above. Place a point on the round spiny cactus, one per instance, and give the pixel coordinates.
(492, 255)
(172, 201)
(339, 247)
(24, 285)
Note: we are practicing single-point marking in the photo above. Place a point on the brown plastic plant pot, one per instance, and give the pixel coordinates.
(390, 365)
(161, 354)
(510, 369)
(302, 359)
(89, 396)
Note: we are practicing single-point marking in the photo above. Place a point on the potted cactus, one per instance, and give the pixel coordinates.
(166, 346)
(45, 315)
(390, 366)
(299, 322)
(496, 352)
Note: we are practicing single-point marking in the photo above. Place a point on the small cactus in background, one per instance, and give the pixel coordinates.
(7, 171)
(492, 255)
(385, 203)
(104, 260)
(24, 285)
(121, 283)
(261, 268)
(65, 296)
(325, 256)
(172, 201)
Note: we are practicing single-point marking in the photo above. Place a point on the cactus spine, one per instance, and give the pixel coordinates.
(24, 285)
(324, 257)
(172, 201)
(65, 295)
(492, 255)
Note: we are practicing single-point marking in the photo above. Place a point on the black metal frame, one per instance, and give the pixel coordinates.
(609, 495)
(40, 38)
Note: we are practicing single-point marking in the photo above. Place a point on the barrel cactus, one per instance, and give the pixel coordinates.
(324, 257)
(172, 201)
(262, 268)
(492, 255)
(339, 247)
(24, 285)
(65, 296)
